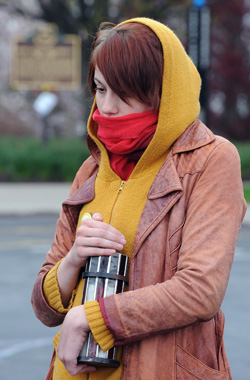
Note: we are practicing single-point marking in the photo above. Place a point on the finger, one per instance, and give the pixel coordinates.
(93, 228)
(97, 224)
(99, 242)
(80, 368)
(97, 216)
(83, 368)
(95, 251)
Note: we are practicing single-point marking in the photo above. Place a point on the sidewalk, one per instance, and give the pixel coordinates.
(32, 198)
(41, 198)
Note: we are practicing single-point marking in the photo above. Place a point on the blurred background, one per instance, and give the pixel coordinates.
(34, 38)
(44, 106)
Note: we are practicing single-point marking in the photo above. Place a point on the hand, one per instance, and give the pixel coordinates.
(73, 334)
(94, 238)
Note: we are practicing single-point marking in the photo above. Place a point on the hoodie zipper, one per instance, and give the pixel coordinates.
(122, 184)
(121, 188)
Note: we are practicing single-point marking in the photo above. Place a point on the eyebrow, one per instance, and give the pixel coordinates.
(97, 80)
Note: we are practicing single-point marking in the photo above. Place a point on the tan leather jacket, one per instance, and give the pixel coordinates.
(170, 321)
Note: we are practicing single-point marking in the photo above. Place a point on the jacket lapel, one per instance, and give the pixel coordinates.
(163, 194)
(167, 189)
(73, 205)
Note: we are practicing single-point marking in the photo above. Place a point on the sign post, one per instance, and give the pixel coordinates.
(199, 45)
(47, 61)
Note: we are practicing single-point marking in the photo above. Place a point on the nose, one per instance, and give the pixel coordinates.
(110, 105)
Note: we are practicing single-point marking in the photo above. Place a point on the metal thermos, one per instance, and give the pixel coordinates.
(103, 276)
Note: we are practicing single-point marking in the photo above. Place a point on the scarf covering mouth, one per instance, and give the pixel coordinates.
(125, 134)
(126, 138)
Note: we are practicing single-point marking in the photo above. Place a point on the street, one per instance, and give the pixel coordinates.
(26, 345)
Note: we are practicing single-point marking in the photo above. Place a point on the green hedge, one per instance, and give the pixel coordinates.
(244, 151)
(28, 159)
(247, 192)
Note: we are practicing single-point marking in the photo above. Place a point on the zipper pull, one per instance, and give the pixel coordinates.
(121, 187)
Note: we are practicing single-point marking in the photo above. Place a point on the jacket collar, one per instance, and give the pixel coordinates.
(167, 180)
(194, 137)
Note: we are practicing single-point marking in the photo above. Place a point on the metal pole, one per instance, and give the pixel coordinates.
(199, 47)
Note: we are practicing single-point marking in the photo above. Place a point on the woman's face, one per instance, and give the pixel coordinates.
(110, 105)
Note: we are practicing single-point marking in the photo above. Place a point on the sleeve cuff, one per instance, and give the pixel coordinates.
(102, 335)
(52, 292)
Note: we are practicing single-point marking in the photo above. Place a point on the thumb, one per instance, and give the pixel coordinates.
(97, 216)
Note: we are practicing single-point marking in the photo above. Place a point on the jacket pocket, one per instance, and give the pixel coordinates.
(190, 368)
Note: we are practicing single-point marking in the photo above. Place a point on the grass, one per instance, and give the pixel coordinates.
(244, 152)
(247, 192)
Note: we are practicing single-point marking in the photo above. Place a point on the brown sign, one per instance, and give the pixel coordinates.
(48, 61)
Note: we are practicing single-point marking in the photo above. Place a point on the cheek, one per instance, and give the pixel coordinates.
(145, 108)
(138, 107)
(97, 100)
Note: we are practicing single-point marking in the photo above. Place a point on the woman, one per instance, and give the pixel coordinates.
(164, 190)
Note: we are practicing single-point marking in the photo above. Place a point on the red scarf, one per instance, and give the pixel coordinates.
(126, 138)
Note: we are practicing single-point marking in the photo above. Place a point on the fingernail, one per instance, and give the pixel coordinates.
(123, 241)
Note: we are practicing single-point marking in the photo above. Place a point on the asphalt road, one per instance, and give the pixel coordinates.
(26, 345)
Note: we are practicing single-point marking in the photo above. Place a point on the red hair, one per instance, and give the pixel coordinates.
(130, 58)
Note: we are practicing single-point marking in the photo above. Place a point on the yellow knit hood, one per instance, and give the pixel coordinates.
(179, 105)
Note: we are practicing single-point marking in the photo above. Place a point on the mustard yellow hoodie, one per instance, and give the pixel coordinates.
(121, 203)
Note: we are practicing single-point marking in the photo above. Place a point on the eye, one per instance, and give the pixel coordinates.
(100, 89)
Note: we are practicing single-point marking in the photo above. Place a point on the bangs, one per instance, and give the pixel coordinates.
(130, 59)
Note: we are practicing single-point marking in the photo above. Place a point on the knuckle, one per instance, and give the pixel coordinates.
(79, 241)
(73, 372)
(80, 231)
(70, 368)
